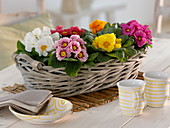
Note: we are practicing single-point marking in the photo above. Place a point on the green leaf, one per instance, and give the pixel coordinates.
(70, 59)
(103, 58)
(111, 30)
(118, 54)
(130, 51)
(99, 33)
(21, 49)
(52, 61)
(124, 38)
(114, 24)
(107, 29)
(88, 38)
(125, 59)
(41, 59)
(118, 25)
(72, 68)
(118, 32)
(119, 49)
(148, 45)
(90, 48)
(34, 53)
(128, 42)
(18, 52)
(90, 64)
(111, 54)
(20, 46)
(107, 25)
(93, 56)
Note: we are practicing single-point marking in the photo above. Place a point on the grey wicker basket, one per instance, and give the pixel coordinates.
(103, 75)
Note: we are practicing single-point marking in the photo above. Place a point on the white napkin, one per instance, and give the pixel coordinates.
(29, 102)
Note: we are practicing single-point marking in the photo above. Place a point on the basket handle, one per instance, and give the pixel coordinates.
(36, 65)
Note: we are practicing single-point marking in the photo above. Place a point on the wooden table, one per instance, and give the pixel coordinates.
(104, 116)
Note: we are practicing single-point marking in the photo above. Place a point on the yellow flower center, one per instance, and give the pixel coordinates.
(43, 47)
(127, 30)
(64, 32)
(63, 53)
(74, 47)
(64, 44)
(80, 55)
(106, 44)
(74, 32)
(139, 38)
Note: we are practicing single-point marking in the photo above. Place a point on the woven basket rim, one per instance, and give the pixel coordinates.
(43, 66)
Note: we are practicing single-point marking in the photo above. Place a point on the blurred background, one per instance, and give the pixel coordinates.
(17, 17)
(80, 11)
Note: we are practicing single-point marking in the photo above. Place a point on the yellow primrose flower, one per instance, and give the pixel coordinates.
(106, 42)
(95, 43)
(118, 43)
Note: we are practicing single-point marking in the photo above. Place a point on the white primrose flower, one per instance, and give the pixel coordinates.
(42, 41)
(45, 32)
(29, 41)
(55, 36)
(37, 33)
(44, 45)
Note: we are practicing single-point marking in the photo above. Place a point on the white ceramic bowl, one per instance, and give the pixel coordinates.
(56, 109)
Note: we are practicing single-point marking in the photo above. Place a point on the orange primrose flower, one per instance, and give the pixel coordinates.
(97, 25)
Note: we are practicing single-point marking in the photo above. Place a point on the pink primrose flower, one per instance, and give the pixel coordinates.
(55, 45)
(63, 42)
(74, 37)
(78, 39)
(140, 37)
(82, 45)
(75, 47)
(62, 53)
(82, 55)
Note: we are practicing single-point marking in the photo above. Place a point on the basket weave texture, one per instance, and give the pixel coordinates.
(103, 75)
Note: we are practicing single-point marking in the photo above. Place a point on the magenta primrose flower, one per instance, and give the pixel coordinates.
(141, 32)
(132, 22)
(135, 24)
(147, 31)
(140, 37)
(127, 29)
(82, 55)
